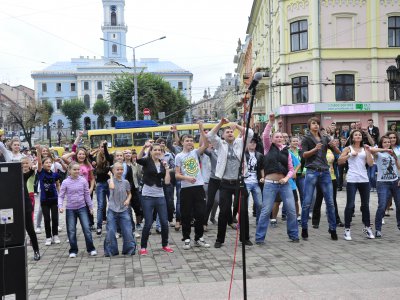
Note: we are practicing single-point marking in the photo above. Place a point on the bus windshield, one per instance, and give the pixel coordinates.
(95, 140)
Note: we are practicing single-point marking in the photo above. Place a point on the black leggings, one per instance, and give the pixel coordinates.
(48, 208)
(31, 231)
(213, 187)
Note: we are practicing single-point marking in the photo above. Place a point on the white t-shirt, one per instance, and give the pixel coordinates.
(357, 167)
(252, 169)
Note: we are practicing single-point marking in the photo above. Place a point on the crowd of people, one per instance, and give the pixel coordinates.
(172, 179)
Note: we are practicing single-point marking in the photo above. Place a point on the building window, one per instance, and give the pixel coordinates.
(344, 87)
(99, 85)
(113, 16)
(58, 87)
(86, 100)
(73, 87)
(300, 89)
(394, 32)
(299, 35)
(180, 85)
(59, 103)
(86, 85)
(114, 48)
(99, 97)
(44, 87)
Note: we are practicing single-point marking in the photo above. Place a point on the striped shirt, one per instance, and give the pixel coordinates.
(77, 193)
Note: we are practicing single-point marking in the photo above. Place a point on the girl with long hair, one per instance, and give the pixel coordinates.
(357, 156)
(14, 154)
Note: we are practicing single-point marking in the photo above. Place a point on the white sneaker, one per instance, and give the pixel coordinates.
(38, 230)
(72, 255)
(48, 242)
(383, 221)
(201, 243)
(56, 239)
(60, 228)
(117, 235)
(368, 233)
(347, 235)
(93, 253)
(186, 245)
(137, 235)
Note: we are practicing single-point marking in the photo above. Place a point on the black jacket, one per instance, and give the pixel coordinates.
(276, 161)
(150, 175)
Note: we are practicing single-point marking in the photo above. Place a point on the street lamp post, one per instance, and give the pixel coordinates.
(393, 75)
(135, 97)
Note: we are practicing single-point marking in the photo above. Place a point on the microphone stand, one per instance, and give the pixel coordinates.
(243, 202)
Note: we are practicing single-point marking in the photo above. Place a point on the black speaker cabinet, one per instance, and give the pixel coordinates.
(12, 205)
(13, 273)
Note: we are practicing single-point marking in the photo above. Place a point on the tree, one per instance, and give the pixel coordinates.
(154, 93)
(28, 118)
(73, 109)
(101, 108)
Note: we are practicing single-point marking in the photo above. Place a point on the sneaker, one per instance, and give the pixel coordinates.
(186, 245)
(383, 221)
(38, 230)
(36, 256)
(347, 234)
(48, 242)
(136, 234)
(72, 255)
(201, 243)
(273, 223)
(117, 235)
(93, 253)
(217, 244)
(56, 239)
(260, 243)
(378, 234)
(168, 249)
(60, 228)
(99, 231)
(304, 233)
(316, 226)
(294, 240)
(368, 233)
(248, 243)
(333, 234)
(143, 251)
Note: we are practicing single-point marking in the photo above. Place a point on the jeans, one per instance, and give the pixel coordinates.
(386, 189)
(102, 191)
(193, 202)
(71, 216)
(213, 188)
(110, 242)
(178, 201)
(323, 179)
(169, 198)
(47, 209)
(372, 175)
(351, 189)
(255, 191)
(300, 187)
(316, 216)
(269, 194)
(159, 205)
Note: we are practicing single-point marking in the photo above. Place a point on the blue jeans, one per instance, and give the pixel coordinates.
(386, 189)
(71, 216)
(102, 191)
(372, 175)
(300, 187)
(351, 189)
(255, 191)
(323, 178)
(110, 243)
(160, 206)
(269, 194)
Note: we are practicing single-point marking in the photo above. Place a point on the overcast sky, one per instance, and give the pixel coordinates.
(201, 35)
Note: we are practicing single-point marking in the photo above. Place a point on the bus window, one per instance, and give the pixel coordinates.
(95, 140)
(196, 135)
(139, 138)
(160, 134)
(123, 140)
(182, 132)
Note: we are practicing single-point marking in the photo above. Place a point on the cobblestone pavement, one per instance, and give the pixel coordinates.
(56, 276)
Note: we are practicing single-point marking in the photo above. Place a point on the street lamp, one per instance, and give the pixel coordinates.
(135, 97)
(393, 75)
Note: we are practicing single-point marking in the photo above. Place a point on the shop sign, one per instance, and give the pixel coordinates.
(356, 107)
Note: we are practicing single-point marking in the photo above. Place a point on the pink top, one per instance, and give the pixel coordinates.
(267, 145)
(85, 171)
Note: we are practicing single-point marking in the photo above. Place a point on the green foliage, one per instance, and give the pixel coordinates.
(47, 111)
(101, 108)
(154, 93)
(73, 109)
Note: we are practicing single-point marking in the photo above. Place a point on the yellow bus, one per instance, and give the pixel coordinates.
(1, 131)
(134, 138)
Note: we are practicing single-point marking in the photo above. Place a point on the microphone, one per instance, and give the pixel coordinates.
(256, 79)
